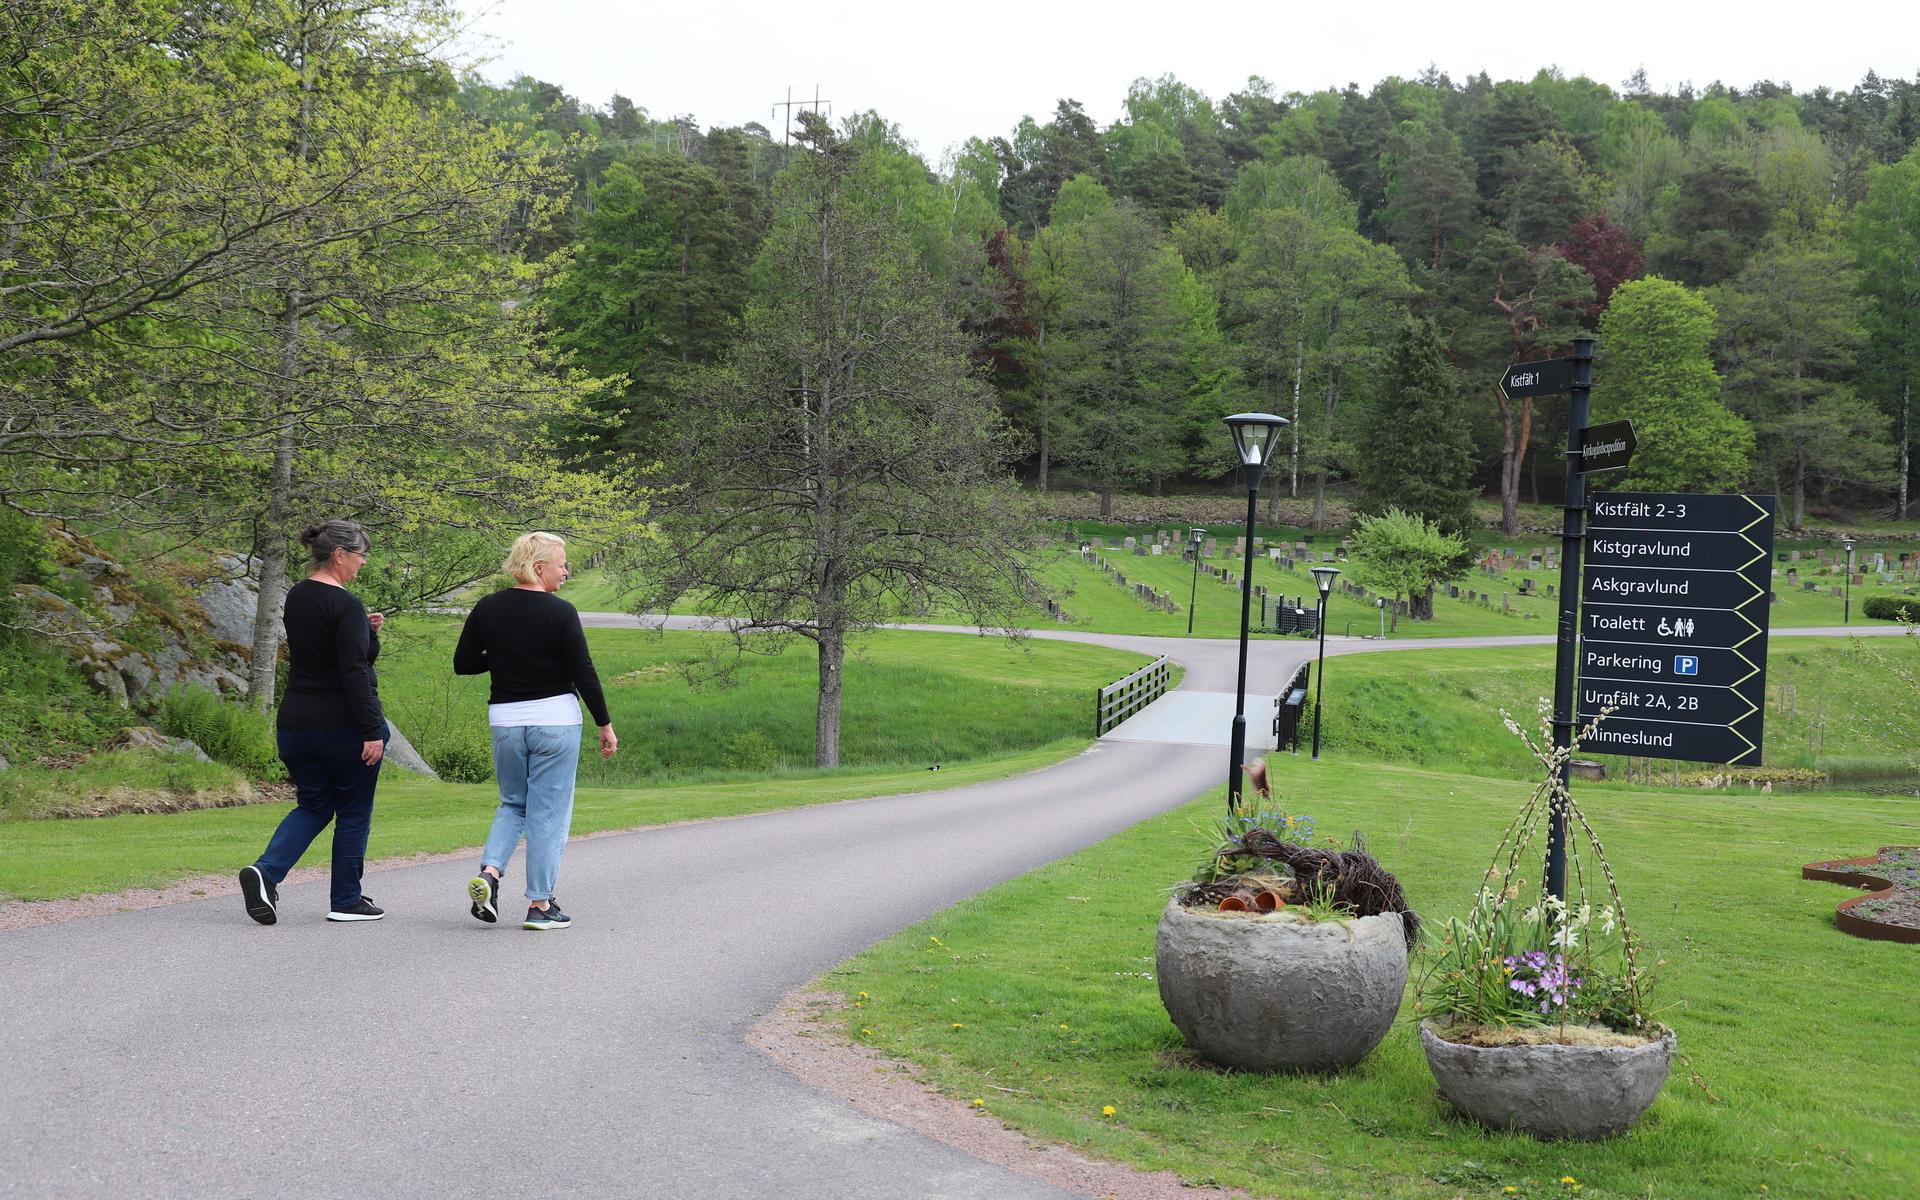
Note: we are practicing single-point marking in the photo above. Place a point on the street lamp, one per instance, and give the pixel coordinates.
(1846, 605)
(1253, 435)
(1322, 579)
(1198, 536)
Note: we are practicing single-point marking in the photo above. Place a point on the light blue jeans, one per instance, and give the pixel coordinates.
(535, 766)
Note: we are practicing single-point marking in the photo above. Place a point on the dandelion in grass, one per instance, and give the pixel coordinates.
(1108, 1111)
(979, 1103)
(958, 1025)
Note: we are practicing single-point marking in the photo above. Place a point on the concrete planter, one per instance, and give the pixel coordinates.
(1581, 1092)
(1277, 992)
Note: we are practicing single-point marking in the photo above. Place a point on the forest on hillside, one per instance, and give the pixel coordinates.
(1315, 253)
(271, 257)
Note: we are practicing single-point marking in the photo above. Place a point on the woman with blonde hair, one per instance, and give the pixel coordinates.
(531, 643)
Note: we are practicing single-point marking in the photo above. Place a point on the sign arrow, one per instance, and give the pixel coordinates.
(1543, 377)
(1606, 447)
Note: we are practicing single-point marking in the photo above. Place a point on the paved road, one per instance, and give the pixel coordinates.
(185, 1051)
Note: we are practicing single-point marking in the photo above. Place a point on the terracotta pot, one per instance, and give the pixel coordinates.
(1233, 904)
(1580, 1092)
(1280, 992)
(1268, 901)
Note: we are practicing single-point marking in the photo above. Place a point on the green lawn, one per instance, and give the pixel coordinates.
(43, 860)
(1038, 998)
(1827, 706)
(910, 700)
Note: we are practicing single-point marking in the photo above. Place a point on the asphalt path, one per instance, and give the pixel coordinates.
(186, 1052)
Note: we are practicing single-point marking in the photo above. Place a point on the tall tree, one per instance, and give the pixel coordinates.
(1718, 220)
(1514, 305)
(1431, 210)
(1886, 242)
(1124, 356)
(1656, 371)
(1791, 324)
(653, 287)
(374, 362)
(1429, 475)
(844, 465)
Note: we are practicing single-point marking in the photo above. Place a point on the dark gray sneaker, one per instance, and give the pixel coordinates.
(484, 891)
(262, 898)
(549, 917)
(365, 910)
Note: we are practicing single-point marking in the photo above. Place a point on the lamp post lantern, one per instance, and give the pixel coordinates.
(1197, 536)
(1253, 435)
(1846, 605)
(1322, 579)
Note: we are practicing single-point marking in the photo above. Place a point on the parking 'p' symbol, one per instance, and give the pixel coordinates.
(1686, 664)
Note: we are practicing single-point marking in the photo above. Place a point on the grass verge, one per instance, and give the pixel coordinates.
(47, 860)
(1038, 998)
(1827, 699)
(909, 700)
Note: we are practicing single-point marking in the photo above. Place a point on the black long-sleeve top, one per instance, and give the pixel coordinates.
(330, 654)
(533, 646)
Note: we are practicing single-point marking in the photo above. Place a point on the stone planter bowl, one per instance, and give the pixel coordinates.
(1580, 1092)
(1277, 992)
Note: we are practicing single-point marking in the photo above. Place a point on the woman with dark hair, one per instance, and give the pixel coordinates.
(332, 733)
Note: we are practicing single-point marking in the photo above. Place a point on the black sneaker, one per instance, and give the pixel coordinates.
(364, 910)
(484, 890)
(262, 898)
(549, 917)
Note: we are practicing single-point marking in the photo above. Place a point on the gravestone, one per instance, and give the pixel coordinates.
(1793, 576)
(1549, 591)
(1453, 591)
(1099, 543)
(1506, 602)
(1130, 543)
(1810, 586)
(1212, 547)
(1158, 548)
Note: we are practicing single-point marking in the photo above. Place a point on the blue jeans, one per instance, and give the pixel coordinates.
(331, 784)
(535, 766)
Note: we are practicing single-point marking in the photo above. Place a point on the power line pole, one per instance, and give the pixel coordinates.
(786, 135)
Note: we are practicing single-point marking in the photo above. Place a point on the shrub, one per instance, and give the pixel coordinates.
(1892, 608)
(24, 558)
(751, 750)
(233, 734)
(458, 760)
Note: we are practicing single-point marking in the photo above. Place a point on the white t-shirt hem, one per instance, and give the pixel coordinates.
(563, 709)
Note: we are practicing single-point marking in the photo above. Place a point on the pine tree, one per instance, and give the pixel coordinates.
(1413, 443)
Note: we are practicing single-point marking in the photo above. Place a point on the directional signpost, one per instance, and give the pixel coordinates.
(1673, 625)
(1667, 625)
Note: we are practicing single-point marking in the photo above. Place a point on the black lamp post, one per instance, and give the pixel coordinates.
(1322, 579)
(1198, 536)
(1253, 435)
(1846, 605)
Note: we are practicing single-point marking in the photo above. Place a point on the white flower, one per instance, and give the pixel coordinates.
(1585, 916)
(1607, 919)
(1566, 937)
(1532, 915)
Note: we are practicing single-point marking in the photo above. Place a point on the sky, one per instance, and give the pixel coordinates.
(944, 73)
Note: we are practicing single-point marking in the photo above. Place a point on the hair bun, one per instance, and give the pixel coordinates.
(311, 533)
